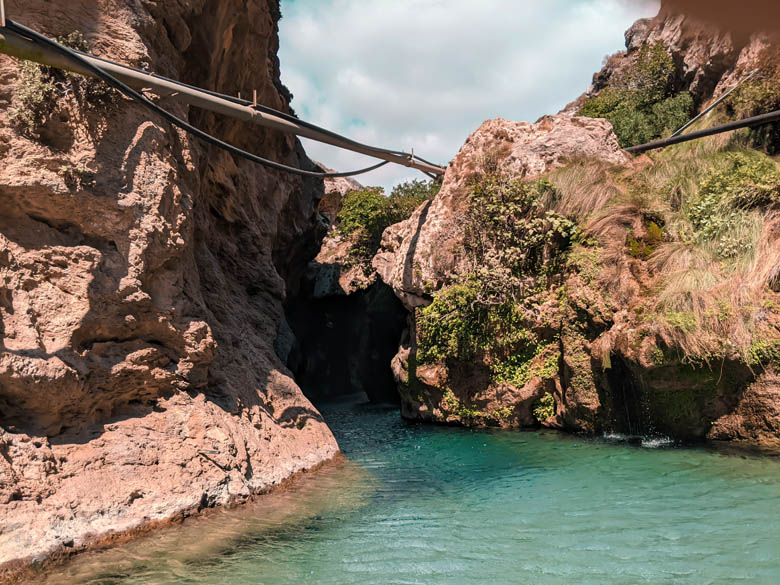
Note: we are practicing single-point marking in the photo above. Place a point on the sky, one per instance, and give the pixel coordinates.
(424, 74)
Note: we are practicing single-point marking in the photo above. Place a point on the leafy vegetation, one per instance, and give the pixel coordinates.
(643, 104)
(468, 414)
(513, 232)
(35, 98)
(515, 243)
(457, 325)
(43, 88)
(367, 212)
(544, 407)
(759, 96)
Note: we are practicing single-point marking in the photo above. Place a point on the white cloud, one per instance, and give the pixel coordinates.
(424, 74)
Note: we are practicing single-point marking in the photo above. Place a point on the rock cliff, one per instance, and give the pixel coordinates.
(556, 281)
(142, 278)
(709, 58)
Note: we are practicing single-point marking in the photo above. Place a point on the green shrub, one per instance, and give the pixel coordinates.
(764, 352)
(363, 209)
(35, 98)
(529, 361)
(407, 196)
(745, 180)
(671, 113)
(642, 105)
(719, 213)
(544, 408)
(515, 244)
(510, 233)
(43, 88)
(367, 212)
(681, 320)
(457, 325)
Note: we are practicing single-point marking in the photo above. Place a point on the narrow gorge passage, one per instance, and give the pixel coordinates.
(553, 358)
(344, 344)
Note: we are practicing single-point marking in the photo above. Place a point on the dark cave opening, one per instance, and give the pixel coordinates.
(344, 344)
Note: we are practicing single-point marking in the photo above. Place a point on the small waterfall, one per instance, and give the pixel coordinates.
(630, 407)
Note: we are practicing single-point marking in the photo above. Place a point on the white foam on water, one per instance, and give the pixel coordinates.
(656, 442)
(651, 442)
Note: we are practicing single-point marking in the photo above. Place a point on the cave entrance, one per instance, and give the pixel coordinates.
(344, 344)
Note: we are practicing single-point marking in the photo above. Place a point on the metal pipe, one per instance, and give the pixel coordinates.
(16, 45)
(709, 108)
(760, 120)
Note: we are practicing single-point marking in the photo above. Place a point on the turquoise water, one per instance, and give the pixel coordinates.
(437, 505)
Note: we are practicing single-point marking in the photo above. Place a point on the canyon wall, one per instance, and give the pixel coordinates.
(142, 278)
(555, 281)
(708, 58)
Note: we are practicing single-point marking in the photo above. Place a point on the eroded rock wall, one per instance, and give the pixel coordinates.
(600, 364)
(709, 58)
(426, 253)
(142, 276)
(605, 359)
(423, 253)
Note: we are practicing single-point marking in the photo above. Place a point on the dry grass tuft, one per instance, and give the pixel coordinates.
(583, 187)
(702, 285)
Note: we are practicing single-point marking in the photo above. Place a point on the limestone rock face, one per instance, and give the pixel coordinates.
(142, 276)
(756, 418)
(709, 59)
(335, 190)
(424, 253)
(335, 272)
(421, 254)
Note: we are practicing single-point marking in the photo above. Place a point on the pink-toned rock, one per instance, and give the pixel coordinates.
(142, 277)
(424, 252)
(709, 58)
(335, 272)
(335, 190)
(756, 418)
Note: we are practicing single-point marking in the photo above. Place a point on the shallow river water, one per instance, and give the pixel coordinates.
(432, 505)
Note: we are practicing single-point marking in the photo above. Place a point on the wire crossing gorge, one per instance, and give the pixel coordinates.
(547, 353)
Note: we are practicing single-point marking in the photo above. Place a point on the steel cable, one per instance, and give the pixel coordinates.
(268, 110)
(760, 120)
(176, 121)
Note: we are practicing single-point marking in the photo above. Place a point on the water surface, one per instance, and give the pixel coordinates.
(434, 505)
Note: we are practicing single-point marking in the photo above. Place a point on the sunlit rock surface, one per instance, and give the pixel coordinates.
(142, 276)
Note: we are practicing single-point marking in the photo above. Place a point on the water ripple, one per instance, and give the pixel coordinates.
(439, 505)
